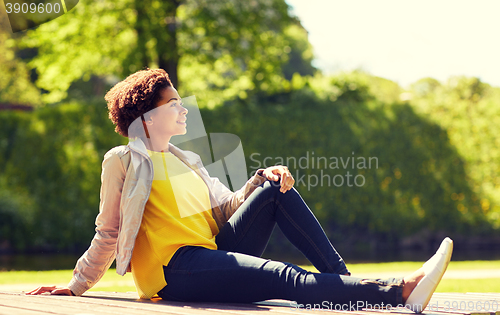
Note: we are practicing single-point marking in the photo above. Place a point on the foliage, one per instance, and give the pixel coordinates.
(419, 173)
(469, 110)
(219, 54)
(16, 225)
(300, 52)
(422, 181)
(53, 157)
(225, 55)
(70, 48)
(15, 84)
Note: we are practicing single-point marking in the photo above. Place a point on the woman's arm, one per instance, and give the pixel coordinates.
(96, 260)
(277, 172)
(52, 290)
(230, 201)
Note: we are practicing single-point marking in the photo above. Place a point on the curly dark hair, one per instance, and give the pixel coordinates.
(134, 96)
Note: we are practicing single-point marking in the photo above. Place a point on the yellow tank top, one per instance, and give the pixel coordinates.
(177, 213)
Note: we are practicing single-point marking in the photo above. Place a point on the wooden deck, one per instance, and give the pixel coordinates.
(128, 303)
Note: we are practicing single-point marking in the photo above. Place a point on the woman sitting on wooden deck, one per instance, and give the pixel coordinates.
(189, 238)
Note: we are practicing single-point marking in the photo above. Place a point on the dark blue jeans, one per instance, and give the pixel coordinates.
(236, 273)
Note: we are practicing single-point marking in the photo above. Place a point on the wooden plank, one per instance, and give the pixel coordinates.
(51, 305)
(19, 310)
(170, 307)
(492, 295)
(106, 304)
(78, 305)
(468, 295)
(112, 303)
(128, 304)
(275, 306)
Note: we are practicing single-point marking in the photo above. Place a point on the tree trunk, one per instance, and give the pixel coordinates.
(167, 49)
(141, 27)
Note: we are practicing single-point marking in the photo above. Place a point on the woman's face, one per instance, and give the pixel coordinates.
(169, 117)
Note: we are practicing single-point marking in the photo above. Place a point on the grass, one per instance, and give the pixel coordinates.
(409, 266)
(446, 285)
(469, 285)
(114, 282)
(413, 265)
(111, 281)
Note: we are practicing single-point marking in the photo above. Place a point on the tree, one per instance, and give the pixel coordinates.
(470, 112)
(15, 83)
(156, 30)
(228, 46)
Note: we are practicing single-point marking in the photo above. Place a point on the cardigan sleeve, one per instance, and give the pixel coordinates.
(97, 259)
(229, 201)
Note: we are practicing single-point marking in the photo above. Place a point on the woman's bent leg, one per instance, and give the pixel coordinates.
(250, 227)
(200, 274)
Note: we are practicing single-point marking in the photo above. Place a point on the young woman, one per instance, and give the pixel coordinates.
(186, 237)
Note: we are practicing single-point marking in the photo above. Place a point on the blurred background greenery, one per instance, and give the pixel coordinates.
(249, 63)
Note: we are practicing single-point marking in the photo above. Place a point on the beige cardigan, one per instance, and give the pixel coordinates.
(127, 173)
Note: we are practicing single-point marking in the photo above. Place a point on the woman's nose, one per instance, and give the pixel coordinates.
(184, 110)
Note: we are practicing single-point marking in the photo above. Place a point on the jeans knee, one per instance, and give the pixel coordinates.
(271, 186)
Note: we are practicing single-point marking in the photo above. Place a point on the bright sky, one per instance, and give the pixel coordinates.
(405, 40)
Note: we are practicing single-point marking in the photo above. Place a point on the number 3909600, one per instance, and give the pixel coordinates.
(33, 8)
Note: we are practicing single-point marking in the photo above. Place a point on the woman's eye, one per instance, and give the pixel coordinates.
(173, 104)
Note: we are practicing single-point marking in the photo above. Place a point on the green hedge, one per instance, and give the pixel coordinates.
(419, 183)
(53, 155)
(420, 186)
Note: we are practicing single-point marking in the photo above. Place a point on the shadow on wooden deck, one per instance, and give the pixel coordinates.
(129, 303)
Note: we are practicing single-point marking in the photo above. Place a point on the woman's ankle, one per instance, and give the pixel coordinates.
(410, 282)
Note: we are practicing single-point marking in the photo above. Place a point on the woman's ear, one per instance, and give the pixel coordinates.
(147, 119)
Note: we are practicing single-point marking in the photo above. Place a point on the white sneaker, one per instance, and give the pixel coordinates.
(434, 270)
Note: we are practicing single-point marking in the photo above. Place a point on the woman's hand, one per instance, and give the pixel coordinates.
(53, 290)
(274, 173)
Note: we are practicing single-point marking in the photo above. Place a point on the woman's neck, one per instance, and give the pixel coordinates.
(158, 146)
